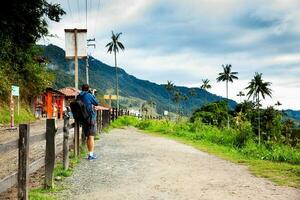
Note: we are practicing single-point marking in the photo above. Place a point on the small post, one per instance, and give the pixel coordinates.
(23, 172)
(12, 114)
(76, 138)
(50, 152)
(83, 138)
(66, 141)
(113, 114)
(97, 122)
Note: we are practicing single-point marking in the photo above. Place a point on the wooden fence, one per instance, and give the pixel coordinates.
(21, 178)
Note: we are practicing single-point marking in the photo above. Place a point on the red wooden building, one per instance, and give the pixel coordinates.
(50, 104)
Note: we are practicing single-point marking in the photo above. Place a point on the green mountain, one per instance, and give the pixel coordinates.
(134, 91)
(293, 115)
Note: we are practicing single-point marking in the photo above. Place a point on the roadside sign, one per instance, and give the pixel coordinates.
(75, 43)
(15, 91)
(166, 113)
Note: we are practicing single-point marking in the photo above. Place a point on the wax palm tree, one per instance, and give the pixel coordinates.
(278, 103)
(228, 76)
(240, 94)
(205, 84)
(170, 88)
(177, 98)
(185, 98)
(114, 46)
(256, 88)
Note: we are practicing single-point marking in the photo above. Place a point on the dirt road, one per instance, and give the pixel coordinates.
(133, 165)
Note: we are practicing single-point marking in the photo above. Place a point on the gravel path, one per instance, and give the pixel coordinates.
(133, 165)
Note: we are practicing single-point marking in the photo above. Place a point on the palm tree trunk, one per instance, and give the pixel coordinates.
(117, 81)
(258, 119)
(227, 103)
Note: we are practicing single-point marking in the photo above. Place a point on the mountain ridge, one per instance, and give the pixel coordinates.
(102, 78)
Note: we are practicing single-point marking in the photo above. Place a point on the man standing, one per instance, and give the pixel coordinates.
(89, 128)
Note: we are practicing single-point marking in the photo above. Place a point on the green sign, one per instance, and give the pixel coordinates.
(15, 90)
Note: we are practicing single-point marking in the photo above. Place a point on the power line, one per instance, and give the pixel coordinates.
(70, 11)
(97, 16)
(78, 11)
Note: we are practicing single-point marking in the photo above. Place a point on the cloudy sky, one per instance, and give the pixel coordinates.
(187, 41)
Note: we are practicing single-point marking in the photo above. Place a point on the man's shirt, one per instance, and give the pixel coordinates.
(89, 100)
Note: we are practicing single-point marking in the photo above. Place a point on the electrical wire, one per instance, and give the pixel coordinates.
(69, 7)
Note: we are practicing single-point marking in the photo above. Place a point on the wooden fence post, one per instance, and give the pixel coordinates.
(83, 138)
(113, 115)
(104, 117)
(98, 121)
(76, 138)
(50, 152)
(23, 173)
(66, 142)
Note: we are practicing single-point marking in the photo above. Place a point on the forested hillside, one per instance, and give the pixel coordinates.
(102, 77)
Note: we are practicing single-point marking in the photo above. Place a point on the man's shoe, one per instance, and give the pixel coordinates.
(93, 157)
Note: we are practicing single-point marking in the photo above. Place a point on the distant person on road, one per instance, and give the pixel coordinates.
(89, 128)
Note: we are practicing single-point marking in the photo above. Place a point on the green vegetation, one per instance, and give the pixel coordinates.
(59, 171)
(276, 161)
(20, 63)
(24, 117)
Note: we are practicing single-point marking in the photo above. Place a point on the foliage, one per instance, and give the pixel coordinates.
(22, 23)
(205, 84)
(258, 87)
(239, 139)
(213, 114)
(227, 75)
(24, 117)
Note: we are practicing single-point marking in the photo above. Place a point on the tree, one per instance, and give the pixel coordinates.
(177, 98)
(288, 130)
(240, 94)
(152, 105)
(185, 98)
(205, 84)
(213, 113)
(256, 88)
(22, 23)
(170, 88)
(114, 46)
(228, 76)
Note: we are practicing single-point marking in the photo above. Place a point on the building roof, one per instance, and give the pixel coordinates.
(54, 91)
(69, 91)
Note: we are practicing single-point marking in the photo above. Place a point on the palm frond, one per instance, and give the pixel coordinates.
(121, 45)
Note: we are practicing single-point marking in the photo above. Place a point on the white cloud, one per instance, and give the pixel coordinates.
(202, 35)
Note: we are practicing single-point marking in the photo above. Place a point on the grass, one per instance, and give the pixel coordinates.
(24, 117)
(280, 165)
(51, 194)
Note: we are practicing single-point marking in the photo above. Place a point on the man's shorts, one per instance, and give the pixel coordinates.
(89, 129)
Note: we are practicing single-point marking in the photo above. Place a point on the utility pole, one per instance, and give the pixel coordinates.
(87, 59)
(76, 58)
